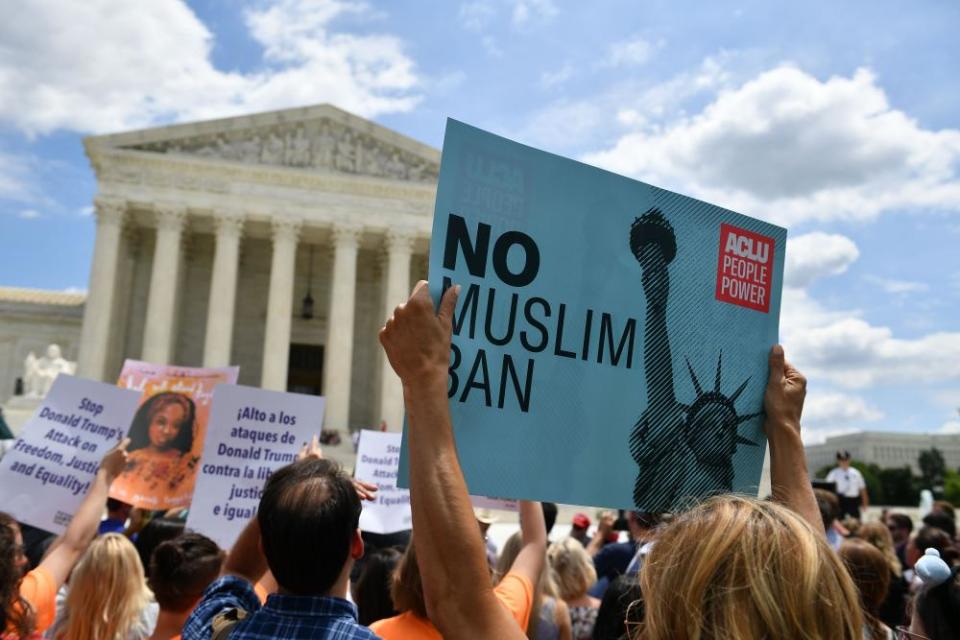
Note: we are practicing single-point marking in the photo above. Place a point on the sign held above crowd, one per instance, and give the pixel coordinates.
(48, 471)
(610, 339)
(167, 432)
(251, 433)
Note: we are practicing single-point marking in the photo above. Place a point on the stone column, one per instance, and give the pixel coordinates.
(164, 279)
(399, 246)
(223, 291)
(276, 343)
(338, 352)
(98, 310)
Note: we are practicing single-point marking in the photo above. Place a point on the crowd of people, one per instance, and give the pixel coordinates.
(790, 566)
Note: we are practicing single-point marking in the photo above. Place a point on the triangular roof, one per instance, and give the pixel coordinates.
(320, 137)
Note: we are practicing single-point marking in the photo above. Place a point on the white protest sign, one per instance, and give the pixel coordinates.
(377, 458)
(251, 433)
(502, 504)
(48, 471)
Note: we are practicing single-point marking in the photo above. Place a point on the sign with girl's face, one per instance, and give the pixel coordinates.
(167, 432)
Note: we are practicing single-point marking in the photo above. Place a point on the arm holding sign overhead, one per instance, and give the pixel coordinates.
(783, 403)
(67, 549)
(452, 559)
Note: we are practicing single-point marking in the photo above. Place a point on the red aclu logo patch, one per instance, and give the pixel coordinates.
(745, 268)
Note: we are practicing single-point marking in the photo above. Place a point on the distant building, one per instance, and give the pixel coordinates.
(886, 449)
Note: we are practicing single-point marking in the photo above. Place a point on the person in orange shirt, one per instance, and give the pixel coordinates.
(514, 591)
(28, 601)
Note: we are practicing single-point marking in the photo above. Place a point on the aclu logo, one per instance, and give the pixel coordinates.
(745, 268)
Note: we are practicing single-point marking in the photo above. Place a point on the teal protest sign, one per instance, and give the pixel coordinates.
(611, 338)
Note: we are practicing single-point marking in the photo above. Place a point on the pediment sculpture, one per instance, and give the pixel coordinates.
(317, 144)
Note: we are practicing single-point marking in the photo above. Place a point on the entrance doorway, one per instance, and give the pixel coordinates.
(305, 369)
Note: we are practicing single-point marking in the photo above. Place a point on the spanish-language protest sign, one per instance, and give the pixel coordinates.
(167, 432)
(48, 471)
(252, 433)
(611, 338)
(378, 457)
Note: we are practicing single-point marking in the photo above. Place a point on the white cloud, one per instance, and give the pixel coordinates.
(827, 414)
(476, 16)
(831, 408)
(85, 211)
(550, 79)
(633, 52)
(840, 347)
(570, 126)
(106, 65)
(526, 11)
(29, 214)
(788, 147)
(815, 255)
(950, 426)
(898, 287)
(13, 179)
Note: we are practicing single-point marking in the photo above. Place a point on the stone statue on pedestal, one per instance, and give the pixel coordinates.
(39, 373)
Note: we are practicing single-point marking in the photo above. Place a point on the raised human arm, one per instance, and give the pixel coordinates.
(450, 552)
(604, 528)
(561, 615)
(66, 550)
(533, 531)
(245, 558)
(783, 403)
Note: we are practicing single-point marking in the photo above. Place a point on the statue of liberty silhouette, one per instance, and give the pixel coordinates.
(681, 449)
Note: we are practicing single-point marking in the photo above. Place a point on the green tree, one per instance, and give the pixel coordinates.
(951, 487)
(871, 475)
(899, 487)
(933, 469)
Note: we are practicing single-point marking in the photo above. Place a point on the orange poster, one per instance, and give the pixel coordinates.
(167, 432)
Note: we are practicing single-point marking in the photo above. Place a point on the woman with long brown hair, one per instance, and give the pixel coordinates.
(893, 609)
(871, 574)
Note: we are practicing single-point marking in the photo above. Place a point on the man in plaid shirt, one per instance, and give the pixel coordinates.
(307, 528)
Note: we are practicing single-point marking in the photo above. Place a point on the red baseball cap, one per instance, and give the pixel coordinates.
(581, 521)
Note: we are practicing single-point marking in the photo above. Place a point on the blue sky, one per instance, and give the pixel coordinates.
(839, 120)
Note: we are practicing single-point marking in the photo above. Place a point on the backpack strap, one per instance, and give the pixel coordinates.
(224, 623)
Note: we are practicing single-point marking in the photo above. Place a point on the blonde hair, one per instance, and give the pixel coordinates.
(736, 567)
(107, 592)
(877, 534)
(571, 567)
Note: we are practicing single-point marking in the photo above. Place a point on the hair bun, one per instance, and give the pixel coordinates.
(167, 557)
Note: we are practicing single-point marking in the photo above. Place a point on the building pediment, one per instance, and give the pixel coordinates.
(321, 138)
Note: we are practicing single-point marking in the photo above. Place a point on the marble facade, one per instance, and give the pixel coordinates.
(204, 240)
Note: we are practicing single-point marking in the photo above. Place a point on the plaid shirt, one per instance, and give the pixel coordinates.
(282, 616)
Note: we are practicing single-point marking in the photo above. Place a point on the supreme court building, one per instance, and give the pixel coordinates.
(278, 242)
